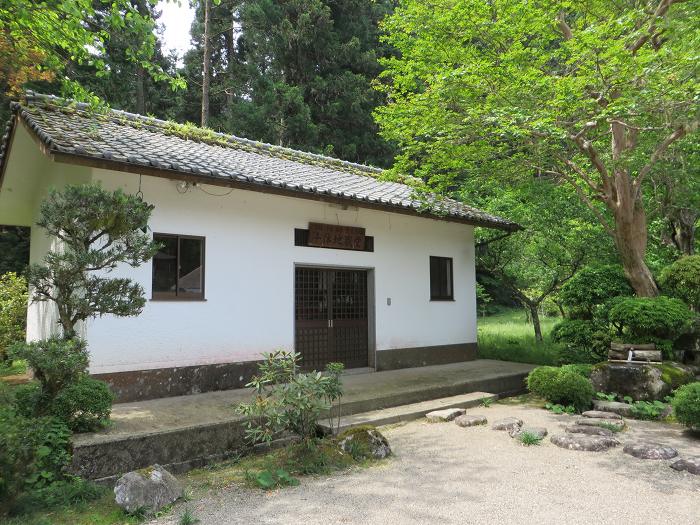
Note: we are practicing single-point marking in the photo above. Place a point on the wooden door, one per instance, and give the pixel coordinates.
(331, 317)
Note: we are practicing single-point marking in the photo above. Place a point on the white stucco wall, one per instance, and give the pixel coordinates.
(250, 259)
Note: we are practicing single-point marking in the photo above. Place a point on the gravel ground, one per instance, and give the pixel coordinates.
(442, 473)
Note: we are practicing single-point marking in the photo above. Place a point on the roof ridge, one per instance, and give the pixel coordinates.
(205, 135)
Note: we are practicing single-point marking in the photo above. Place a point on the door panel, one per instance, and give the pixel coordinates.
(331, 317)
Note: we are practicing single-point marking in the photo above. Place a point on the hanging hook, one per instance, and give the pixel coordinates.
(139, 193)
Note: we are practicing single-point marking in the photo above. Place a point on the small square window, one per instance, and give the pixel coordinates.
(178, 267)
(441, 279)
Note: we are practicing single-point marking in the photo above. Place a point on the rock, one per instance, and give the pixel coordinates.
(364, 442)
(691, 465)
(590, 430)
(540, 432)
(640, 381)
(148, 489)
(468, 420)
(584, 442)
(615, 407)
(448, 414)
(619, 424)
(508, 423)
(648, 450)
(600, 414)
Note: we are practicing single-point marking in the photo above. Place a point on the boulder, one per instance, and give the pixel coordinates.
(540, 432)
(691, 465)
(147, 490)
(509, 424)
(468, 420)
(447, 414)
(611, 424)
(615, 407)
(641, 382)
(646, 450)
(590, 430)
(364, 442)
(584, 442)
(600, 414)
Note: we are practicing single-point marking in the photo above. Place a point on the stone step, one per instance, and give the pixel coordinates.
(400, 414)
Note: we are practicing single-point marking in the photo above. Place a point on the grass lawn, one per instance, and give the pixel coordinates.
(508, 336)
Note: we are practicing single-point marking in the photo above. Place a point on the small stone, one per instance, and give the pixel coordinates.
(616, 407)
(468, 420)
(649, 451)
(691, 465)
(596, 422)
(599, 414)
(509, 424)
(584, 442)
(590, 430)
(148, 489)
(448, 414)
(540, 432)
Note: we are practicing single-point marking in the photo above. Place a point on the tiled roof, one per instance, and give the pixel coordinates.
(131, 142)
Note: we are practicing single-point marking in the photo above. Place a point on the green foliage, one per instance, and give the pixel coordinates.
(584, 370)
(646, 319)
(98, 230)
(686, 404)
(28, 399)
(272, 479)
(528, 439)
(611, 427)
(13, 311)
(486, 402)
(591, 287)
(287, 400)
(56, 362)
(33, 454)
(648, 410)
(606, 397)
(682, 280)
(582, 341)
(556, 408)
(84, 405)
(187, 517)
(562, 386)
(14, 246)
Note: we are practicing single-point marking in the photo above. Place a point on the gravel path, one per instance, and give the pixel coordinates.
(442, 473)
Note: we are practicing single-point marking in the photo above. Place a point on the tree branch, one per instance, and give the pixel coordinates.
(651, 33)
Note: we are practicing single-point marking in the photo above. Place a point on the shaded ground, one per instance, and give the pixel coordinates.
(442, 473)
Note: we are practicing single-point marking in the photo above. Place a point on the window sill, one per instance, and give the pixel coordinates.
(177, 300)
(434, 300)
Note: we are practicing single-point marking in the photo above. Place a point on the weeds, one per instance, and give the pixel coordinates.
(611, 427)
(556, 408)
(187, 518)
(486, 402)
(528, 439)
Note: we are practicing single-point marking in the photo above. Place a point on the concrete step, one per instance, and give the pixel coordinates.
(401, 414)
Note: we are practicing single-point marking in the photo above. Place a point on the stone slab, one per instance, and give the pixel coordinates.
(508, 424)
(600, 414)
(446, 414)
(622, 409)
(584, 442)
(469, 420)
(540, 432)
(691, 465)
(589, 429)
(597, 422)
(648, 450)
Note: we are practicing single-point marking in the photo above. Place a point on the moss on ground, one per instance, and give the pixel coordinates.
(673, 375)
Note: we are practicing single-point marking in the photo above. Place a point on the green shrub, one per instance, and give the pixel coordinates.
(686, 405)
(660, 320)
(84, 405)
(29, 399)
(540, 381)
(13, 311)
(33, 454)
(288, 401)
(571, 388)
(593, 286)
(566, 386)
(582, 370)
(682, 280)
(582, 340)
(56, 362)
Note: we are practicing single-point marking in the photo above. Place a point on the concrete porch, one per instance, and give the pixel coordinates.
(189, 431)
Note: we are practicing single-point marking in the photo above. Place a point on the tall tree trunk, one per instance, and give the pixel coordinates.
(140, 90)
(683, 231)
(535, 316)
(206, 70)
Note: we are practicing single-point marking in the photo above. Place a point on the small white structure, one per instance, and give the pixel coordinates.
(263, 248)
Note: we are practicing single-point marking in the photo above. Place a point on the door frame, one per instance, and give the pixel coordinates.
(371, 304)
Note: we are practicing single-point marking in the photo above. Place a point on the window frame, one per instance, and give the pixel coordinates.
(451, 295)
(175, 296)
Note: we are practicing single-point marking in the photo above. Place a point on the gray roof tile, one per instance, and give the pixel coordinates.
(116, 136)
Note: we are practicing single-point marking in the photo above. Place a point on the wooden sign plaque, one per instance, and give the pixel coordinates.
(334, 236)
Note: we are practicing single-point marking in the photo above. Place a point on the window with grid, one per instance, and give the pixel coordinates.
(178, 267)
(441, 279)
